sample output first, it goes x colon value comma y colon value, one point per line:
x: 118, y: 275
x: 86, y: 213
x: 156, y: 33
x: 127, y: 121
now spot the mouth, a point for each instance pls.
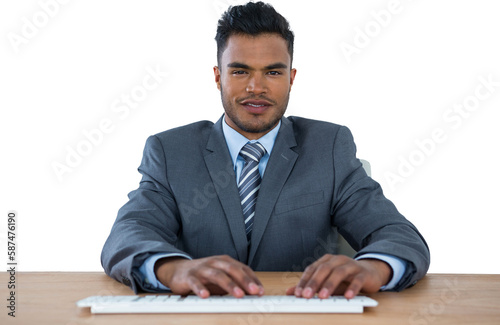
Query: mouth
x: 255, y: 106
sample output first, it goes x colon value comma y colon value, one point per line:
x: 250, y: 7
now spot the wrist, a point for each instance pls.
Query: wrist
x: 164, y: 268
x: 382, y: 269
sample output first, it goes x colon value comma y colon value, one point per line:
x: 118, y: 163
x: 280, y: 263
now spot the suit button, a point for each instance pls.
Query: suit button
x: 126, y: 281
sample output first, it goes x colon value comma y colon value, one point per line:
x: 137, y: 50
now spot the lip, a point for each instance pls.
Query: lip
x: 255, y: 106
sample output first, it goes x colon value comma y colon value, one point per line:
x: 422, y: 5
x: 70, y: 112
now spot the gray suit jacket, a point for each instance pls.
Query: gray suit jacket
x: 187, y: 202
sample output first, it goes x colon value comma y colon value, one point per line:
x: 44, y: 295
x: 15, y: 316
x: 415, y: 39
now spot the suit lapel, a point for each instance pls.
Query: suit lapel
x: 278, y: 169
x: 221, y: 169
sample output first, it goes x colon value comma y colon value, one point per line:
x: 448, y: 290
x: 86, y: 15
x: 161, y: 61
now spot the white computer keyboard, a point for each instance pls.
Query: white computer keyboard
x: 224, y: 304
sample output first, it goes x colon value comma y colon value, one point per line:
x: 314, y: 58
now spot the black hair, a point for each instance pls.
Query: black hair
x: 253, y: 18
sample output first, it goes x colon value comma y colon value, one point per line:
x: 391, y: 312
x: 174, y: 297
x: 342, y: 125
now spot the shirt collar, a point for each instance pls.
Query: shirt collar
x: 235, y: 141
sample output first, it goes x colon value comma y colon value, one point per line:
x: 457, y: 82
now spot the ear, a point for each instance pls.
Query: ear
x: 217, y: 76
x: 293, y: 72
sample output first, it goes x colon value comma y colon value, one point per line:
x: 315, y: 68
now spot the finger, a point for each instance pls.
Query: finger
x: 241, y: 274
x: 221, y: 279
x: 323, y: 269
x: 308, y: 273
x: 356, y: 285
x: 340, y: 274
x: 316, y: 281
x: 251, y: 282
x: 311, y: 269
x: 197, y: 287
x: 290, y: 291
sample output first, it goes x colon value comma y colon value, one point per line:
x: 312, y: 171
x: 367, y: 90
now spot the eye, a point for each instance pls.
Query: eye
x: 238, y: 72
x: 274, y: 73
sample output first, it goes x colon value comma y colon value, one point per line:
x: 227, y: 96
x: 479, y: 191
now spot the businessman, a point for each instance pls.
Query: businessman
x: 257, y: 191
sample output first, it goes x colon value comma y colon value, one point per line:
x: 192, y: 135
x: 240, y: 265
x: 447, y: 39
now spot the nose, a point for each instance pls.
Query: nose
x: 256, y: 85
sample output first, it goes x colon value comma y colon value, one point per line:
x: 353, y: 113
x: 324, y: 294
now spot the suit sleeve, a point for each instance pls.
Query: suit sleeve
x: 147, y: 224
x: 368, y: 220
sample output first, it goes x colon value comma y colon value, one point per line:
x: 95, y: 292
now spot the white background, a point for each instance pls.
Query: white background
x: 65, y: 67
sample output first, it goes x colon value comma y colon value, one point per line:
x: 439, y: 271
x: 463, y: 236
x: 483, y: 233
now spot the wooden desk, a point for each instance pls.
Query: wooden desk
x: 49, y: 298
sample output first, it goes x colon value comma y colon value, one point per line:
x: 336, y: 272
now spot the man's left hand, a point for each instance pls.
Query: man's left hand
x: 339, y: 274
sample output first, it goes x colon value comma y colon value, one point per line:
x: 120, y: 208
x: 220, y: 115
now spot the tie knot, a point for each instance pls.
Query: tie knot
x: 252, y: 151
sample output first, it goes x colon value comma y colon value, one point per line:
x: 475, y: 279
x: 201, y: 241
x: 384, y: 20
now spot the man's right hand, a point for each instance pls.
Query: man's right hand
x: 210, y: 275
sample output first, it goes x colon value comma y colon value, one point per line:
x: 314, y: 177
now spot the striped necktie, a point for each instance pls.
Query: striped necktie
x: 249, y: 183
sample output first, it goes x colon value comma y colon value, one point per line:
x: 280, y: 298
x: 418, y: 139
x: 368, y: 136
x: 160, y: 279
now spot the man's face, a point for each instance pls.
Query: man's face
x: 255, y: 79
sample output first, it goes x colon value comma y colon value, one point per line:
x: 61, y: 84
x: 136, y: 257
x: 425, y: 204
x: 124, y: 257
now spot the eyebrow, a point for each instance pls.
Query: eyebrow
x: 277, y: 65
